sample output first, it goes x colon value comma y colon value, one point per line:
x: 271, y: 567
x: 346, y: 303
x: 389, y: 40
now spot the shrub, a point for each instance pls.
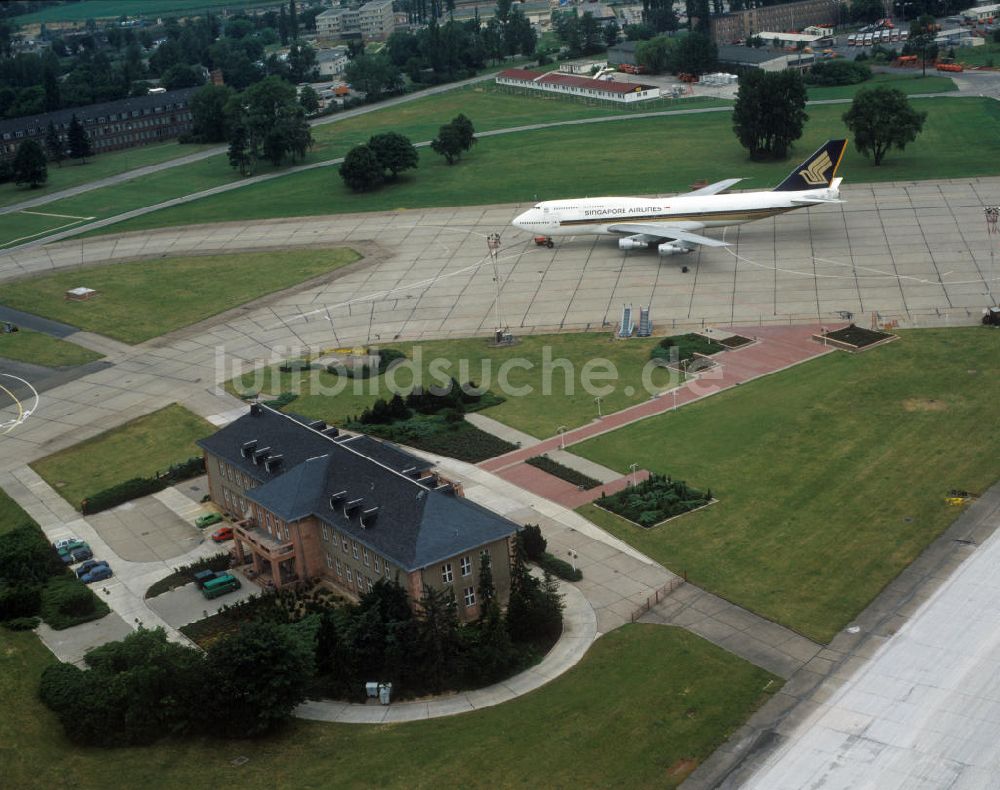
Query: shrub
x: 292, y: 365
x: 185, y: 573
x: 838, y: 72
x: 22, y: 624
x: 19, y: 601
x: 66, y: 601
x: 560, y: 568
x: 281, y: 401
x: 655, y: 500
x: 563, y: 472
x: 26, y: 558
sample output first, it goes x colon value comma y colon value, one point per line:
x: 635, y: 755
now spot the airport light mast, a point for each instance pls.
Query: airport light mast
x: 500, y: 334
x: 992, y: 215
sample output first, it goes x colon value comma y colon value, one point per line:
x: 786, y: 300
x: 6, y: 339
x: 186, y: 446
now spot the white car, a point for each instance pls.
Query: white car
x: 61, y: 544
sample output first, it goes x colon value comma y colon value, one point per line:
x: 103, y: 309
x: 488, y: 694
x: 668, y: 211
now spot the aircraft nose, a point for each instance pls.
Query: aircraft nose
x: 521, y: 220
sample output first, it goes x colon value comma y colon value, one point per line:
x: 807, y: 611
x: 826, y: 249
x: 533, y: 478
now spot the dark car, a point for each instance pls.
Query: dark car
x: 88, y: 566
x: 97, y: 574
x: 79, y: 555
x: 72, y: 546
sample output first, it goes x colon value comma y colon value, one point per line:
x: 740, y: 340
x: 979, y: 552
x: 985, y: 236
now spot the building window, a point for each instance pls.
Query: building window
x: 340, y: 569
x: 446, y: 574
x: 370, y: 585
x: 287, y: 536
x: 466, y: 566
x: 354, y: 547
x: 329, y: 560
x: 345, y: 546
x: 326, y: 534
x: 388, y: 573
x: 350, y: 575
x: 469, y: 597
x: 367, y: 559
x: 378, y: 564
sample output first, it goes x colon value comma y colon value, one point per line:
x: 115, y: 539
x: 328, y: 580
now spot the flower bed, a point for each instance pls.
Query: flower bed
x: 563, y: 472
x: 858, y: 337
x: 655, y: 500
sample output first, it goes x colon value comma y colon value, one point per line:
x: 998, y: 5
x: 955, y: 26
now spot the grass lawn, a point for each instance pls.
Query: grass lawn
x: 986, y: 55
x: 664, y: 698
x: 419, y: 120
x: 39, y: 349
x: 23, y: 226
x: 907, y: 83
x: 960, y: 139
x: 73, y: 173
x: 148, y: 298
x: 534, y: 412
x: 831, y: 476
x: 112, y: 9
x: 139, y: 448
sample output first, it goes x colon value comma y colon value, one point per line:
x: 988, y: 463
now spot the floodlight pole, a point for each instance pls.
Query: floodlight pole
x: 633, y: 467
x: 561, y: 430
x: 597, y: 400
x: 493, y: 242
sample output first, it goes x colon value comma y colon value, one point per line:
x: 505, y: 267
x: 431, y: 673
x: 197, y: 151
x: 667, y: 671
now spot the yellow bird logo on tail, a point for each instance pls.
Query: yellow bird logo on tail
x: 815, y: 172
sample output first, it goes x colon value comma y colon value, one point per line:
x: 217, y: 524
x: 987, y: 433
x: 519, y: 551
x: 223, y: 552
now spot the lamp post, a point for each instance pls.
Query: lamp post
x: 597, y: 400
x: 573, y: 557
x: 561, y: 430
x: 633, y: 467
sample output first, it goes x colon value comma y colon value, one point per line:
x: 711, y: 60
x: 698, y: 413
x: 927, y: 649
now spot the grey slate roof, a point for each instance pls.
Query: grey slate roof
x: 89, y: 112
x: 415, y: 525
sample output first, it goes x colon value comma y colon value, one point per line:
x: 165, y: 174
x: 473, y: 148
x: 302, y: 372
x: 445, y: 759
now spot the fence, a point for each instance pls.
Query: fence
x: 658, y: 596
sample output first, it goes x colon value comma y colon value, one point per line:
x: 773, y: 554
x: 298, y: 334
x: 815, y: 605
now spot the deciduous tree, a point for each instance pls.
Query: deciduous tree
x: 78, y: 140
x: 769, y: 113
x: 394, y: 152
x: 882, y: 118
x: 448, y: 143
x: 54, y: 146
x: 361, y: 169
x: 30, y: 165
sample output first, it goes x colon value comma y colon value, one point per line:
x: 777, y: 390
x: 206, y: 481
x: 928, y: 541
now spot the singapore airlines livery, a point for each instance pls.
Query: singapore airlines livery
x: 672, y: 223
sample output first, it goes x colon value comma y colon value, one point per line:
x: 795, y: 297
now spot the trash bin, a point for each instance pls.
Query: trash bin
x: 385, y: 693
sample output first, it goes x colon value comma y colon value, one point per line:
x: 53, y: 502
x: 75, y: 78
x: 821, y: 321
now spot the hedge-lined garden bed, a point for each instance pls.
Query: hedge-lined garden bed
x: 857, y: 336
x: 142, y: 486
x: 654, y: 500
x: 563, y: 472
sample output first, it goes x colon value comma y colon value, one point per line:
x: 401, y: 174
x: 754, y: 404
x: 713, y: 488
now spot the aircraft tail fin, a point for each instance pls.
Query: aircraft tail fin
x: 818, y: 171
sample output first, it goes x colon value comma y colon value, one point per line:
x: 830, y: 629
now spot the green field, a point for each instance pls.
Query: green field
x: 11, y: 514
x: 419, y: 119
x: 664, y: 698
x: 23, y: 226
x: 907, y: 83
x: 535, y: 412
x: 143, y: 299
x: 139, y: 448
x: 831, y: 477
x: 960, y: 139
x: 39, y: 349
x: 73, y: 173
x: 986, y: 55
x: 150, y: 9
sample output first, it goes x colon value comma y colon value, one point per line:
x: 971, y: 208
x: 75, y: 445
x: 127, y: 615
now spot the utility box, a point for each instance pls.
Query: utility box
x: 371, y: 689
x: 385, y: 693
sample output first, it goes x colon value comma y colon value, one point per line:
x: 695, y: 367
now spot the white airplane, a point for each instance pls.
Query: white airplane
x: 672, y: 223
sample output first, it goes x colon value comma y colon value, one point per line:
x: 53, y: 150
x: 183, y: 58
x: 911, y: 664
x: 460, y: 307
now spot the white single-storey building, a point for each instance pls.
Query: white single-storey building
x: 582, y: 87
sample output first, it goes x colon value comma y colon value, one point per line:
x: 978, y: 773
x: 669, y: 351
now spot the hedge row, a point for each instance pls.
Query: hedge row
x: 185, y: 574
x: 563, y: 472
x: 560, y: 568
x: 142, y: 486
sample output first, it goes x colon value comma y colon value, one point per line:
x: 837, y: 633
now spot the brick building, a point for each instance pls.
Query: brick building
x: 740, y: 25
x: 114, y: 125
x: 346, y: 509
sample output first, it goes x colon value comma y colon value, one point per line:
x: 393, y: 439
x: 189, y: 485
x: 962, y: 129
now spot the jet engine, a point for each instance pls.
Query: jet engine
x: 672, y: 248
x: 632, y: 244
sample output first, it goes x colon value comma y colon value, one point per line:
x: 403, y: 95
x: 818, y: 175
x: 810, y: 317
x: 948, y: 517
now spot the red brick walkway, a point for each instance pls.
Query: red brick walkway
x: 777, y: 348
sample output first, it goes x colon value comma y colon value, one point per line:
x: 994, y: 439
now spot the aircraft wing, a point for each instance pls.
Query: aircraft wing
x: 814, y: 201
x: 664, y: 231
x: 714, y: 189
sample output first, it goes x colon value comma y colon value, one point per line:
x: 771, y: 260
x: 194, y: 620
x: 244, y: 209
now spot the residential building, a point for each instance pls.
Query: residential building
x: 125, y: 123
x: 315, y: 504
x: 981, y: 13
x: 375, y: 21
x: 580, y: 87
x: 740, y: 25
x: 331, y: 62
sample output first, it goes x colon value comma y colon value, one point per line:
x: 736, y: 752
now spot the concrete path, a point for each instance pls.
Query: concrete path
x: 71, y: 644
x: 750, y: 636
x: 497, y: 428
x: 579, y: 632
x: 904, y: 698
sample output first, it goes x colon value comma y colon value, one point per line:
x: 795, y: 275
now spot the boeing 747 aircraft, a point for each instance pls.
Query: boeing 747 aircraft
x: 672, y: 223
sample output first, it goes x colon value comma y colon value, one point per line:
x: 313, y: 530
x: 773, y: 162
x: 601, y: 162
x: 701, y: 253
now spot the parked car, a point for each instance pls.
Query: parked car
x: 88, y: 566
x: 79, y: 555
x: 69, y: 548
x: 207, y: 520
x: 222, y: 534
x: 97, y: 574
x: 61, y: 544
